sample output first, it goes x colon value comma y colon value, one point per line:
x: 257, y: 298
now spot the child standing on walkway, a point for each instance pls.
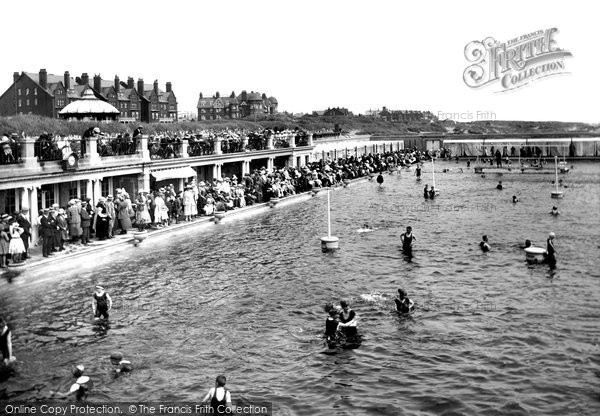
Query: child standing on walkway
x: 16, y: 247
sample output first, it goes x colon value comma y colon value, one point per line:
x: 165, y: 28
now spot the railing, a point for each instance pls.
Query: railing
x: 325, y: 135
x: 301, y: 140
x: 256, y: 142
x: 232, y: 146
x: 201, y: 148
x: 116, y: 147
x: 281, y: 142
x: 50, y: 150
x: 164, y: 150
x: 11, y: 153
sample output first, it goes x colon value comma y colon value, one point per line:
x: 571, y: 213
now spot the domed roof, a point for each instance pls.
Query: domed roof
x: 273, y: 100
x: 89, y: 104
x: 254, y: 96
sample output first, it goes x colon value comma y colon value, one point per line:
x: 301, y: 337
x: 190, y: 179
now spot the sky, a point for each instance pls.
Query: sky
x: 312, y: 55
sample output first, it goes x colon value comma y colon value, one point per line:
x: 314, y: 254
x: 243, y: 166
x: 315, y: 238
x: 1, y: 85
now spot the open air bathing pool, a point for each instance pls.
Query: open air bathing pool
x: 490, y: 334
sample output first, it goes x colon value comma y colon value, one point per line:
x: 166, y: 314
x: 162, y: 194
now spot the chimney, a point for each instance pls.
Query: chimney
x: 168, y: 87
x: 201, y: 95
x: 140, y: 86
x: 97, y: 83
x: 16, y: 76
x: 218, y: 95
x: 43, y: 78
x: 244, y: 95
x: 85, y: 79
x: 156, y: 86
x: 117, y: 84
x: 130, y: 82
x: 67, y: 80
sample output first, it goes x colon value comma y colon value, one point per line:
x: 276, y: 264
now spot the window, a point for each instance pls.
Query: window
x: 27, y: 102
x: 19, y: 103
x: 73, y: 189
x: 35, y: 91
x: 35, y: 101
x: 10, y: 201
x: 27, y: 91
x: 19, y: 91
x: 105, y: 185
x: 83, y: 185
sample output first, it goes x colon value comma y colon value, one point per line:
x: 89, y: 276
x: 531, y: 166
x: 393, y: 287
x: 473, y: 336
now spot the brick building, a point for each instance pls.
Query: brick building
x: 46, y: 94
x: 243, y: 105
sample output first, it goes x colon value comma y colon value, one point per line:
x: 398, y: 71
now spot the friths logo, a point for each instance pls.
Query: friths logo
x: 515, y: 63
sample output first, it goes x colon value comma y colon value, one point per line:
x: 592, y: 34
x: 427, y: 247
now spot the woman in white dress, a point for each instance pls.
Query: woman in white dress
x: 161, y: 214
x: 142, y: 216
x: 16, y: 247
x: 188, y: 203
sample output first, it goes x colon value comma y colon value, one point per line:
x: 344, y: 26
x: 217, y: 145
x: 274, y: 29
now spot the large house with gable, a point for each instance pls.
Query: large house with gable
x: 46, y: 94
x: 232, y: 107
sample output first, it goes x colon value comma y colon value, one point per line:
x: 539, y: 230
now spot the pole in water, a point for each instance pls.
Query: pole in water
x: 329, y: 213
x: 556, y: 194
x: 329, y: 243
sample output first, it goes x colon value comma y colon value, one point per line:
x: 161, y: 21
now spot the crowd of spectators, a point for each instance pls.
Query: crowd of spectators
x: 161, y: 146
x: 81, y: 220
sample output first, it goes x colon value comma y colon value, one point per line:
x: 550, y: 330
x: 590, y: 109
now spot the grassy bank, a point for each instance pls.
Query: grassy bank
x: 31, y: 125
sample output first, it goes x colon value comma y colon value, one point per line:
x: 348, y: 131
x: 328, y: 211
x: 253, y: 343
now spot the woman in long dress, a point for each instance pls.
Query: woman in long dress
x: 125, y: 212
x: 188, y: 203
x: 161, y: 213
x: 142, y: 215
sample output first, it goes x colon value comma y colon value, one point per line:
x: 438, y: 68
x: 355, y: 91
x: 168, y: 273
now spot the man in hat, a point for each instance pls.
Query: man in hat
x: 48, y: 226
x: 86, y: 221
x: 63, y: 227
x: 56, y: 230
x: 25, y: 224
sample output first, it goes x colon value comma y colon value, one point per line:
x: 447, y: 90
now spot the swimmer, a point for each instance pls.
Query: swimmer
x: 403, y: 303
x: 123, y: 366
x: 407, y: 239
x: 550, y: 250
x: 499, y: 186
x: 555, y: 211
x: 220, y: 397
x: 366, y: 228
x: 426, y: 192
x: 6, y: 342
x: 82, y: 386
x: 101, y: 303
x: 418, y: 172
x: 348, y: 320
x: 485, y: 246
x: 331, y: 327
x: 432, y: 192
x: 515, y: 199
x: 380, y: 179
x: 527, y: 244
